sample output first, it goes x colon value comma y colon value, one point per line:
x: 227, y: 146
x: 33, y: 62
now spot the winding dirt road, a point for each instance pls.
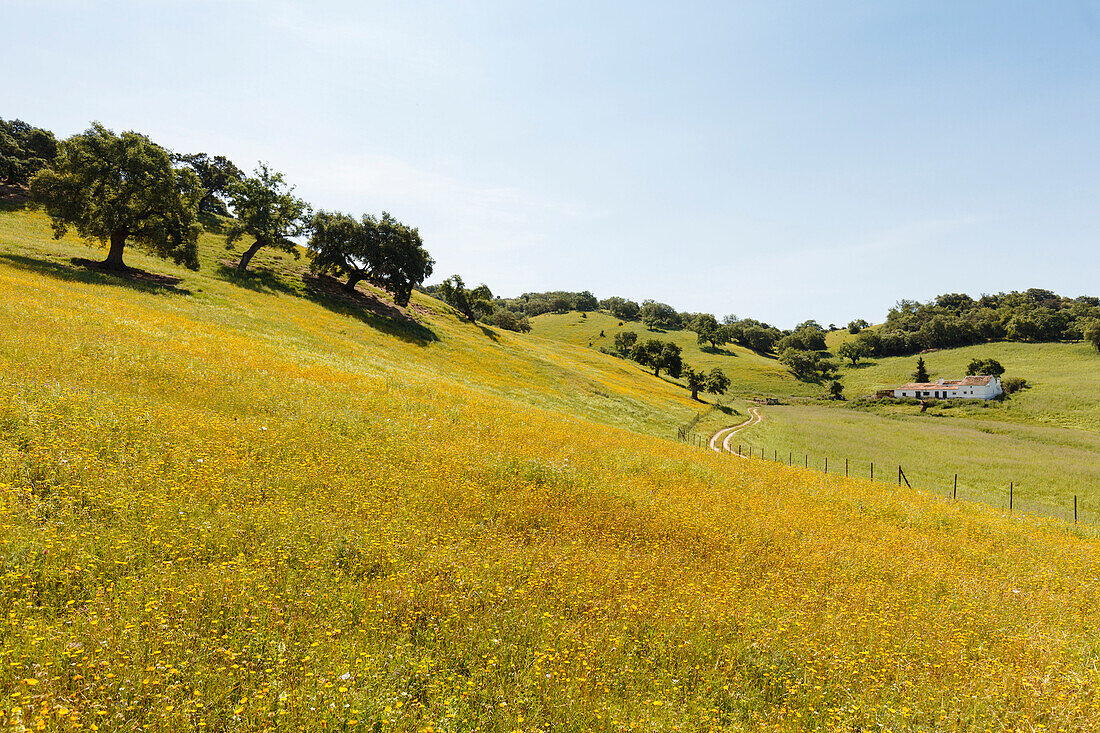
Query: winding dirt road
x: 725, y: 434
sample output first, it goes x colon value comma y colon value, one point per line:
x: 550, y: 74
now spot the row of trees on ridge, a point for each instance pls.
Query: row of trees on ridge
x: 124, y: 189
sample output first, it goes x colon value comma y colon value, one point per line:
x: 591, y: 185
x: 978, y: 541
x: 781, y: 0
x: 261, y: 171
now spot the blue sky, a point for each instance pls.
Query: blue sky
x: 776, y: 160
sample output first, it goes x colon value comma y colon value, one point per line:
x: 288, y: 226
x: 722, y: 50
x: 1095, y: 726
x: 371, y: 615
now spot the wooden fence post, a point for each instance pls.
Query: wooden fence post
x: 806, y: 461
x: 826, y: 464
x: 845, y: 468
x: 790, y: 458
x: 1075, y: 508
x: 872, y: 470
x: 899, y: 475
x: 1009, y: 497
x: 955, y: 491
x: 738, y: 449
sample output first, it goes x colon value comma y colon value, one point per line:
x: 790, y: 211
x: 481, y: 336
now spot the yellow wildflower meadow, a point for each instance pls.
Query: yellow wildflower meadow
x: 238, y: 510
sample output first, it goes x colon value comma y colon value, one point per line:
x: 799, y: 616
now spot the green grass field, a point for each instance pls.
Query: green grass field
x: 752, y: 374
x: 1048, y: 465
x: 1064, y: 379
x: 1045, y: 439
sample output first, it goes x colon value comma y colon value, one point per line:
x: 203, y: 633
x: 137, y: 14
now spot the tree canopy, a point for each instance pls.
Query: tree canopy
x: 1092, y: 333
x: 985, y: 368
x: 509, y: 320
x: 659, y: 356
x: 836, y: 390
x: 119, y: 189
x: 708, y: 330
x: 853, y: 351
x: 752, y: 334
x: 808, y: 366
x: 24, y: 150
x: 265, y: 209
x: 660, y: 316
x: 216, y: 174
x: 624, y: 341
x: 468, y: 301
x: 956, y: 319
x: 716, y: 382
x: 382, y: 251
x: 621, y: 308
x: 804, y: 338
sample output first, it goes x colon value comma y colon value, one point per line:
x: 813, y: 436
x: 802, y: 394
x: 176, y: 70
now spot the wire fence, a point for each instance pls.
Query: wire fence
x: 1006, y: 498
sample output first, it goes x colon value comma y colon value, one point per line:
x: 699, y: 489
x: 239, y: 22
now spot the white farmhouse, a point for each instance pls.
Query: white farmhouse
x: 970, y: 388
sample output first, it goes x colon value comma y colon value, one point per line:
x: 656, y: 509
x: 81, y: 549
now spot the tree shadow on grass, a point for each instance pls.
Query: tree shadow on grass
x: 860, y: 365
x: 13, y: 198
x: 211, y: 222
x: 95, y: 273
x: 489, y: 332
x: 379, y: 314
x: 258, y: 280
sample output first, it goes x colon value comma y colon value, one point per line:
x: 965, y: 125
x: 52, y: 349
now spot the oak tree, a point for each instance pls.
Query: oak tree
x: 119, y: 189
x: 658, y: 355
x: 468, y: 301
x: 382, y: 251
x: 265, y: 209
x: 216, y: 174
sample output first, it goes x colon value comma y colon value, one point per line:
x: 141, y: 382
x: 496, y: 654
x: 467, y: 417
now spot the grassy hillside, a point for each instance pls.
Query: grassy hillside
x: 331, y: 328
x: 1064, y: 378
x: 752, y: 374
x: 240, y: 509
x: 1048, y: 447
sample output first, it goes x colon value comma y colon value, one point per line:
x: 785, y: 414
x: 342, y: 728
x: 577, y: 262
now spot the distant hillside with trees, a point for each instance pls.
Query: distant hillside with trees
x: 956, y: 319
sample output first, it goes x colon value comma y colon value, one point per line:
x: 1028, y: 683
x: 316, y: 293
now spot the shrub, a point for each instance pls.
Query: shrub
x: 509, y: 321
x: 1013, y: 384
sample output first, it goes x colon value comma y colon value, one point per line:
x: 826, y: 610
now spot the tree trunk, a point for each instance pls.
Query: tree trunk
x: 353, y: 280
x: 695, y: 393
x: 248, y: 255
x: 114, y: 254
x: 657, y: 371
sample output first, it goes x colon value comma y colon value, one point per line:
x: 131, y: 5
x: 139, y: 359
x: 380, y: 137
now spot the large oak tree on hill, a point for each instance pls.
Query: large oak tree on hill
x: 265, y: 209
x: 382, y: 251
x: 716, y: 382
x: 659, y: 355
x: 119, y: 189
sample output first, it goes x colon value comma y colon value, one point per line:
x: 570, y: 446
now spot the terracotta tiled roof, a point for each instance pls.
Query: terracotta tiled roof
x: 976, y: 381
x: 925, y: 385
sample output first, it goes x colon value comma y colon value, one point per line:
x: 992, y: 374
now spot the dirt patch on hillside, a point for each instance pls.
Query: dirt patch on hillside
x: 370, y: 298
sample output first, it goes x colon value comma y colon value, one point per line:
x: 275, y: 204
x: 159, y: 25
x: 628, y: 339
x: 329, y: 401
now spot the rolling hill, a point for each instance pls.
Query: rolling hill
x: 245, y: 503
x: 752, y: 374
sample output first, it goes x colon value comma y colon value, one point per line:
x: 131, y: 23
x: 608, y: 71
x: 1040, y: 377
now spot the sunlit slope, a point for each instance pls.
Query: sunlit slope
x: 751, y: 373
x: 1064, y: 378
x: 219, y: 512
x: 324, y: 333
x: 1047, y: 465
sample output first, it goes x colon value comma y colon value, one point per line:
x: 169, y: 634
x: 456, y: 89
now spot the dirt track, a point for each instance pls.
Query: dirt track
x: 726, y: 433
